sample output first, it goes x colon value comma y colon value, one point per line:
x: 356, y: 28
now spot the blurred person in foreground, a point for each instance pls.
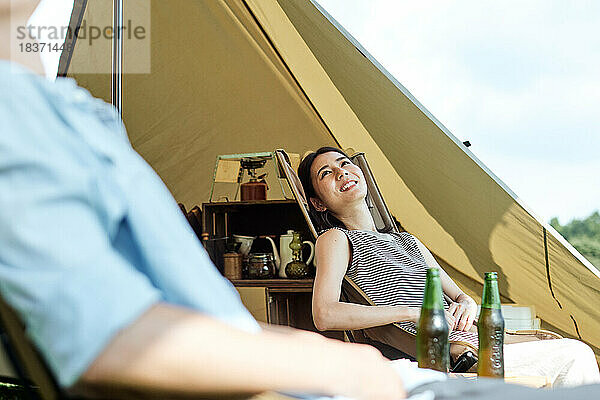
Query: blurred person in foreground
x: 113, y: 286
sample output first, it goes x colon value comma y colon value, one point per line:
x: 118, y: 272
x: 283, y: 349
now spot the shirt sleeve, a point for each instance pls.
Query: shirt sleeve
x: 58, y: 270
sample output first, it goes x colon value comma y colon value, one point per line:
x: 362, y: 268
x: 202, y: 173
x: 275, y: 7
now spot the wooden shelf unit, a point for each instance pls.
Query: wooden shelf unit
x: 249, y: 218
x: 275, y: 301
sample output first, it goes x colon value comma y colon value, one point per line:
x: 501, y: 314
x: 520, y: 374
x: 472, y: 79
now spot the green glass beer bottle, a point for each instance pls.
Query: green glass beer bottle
x: 433, y: 348
x: 490, y: 329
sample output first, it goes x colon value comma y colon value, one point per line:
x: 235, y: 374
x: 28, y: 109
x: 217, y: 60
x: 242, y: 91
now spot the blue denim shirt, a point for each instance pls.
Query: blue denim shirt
x: 90, y: 237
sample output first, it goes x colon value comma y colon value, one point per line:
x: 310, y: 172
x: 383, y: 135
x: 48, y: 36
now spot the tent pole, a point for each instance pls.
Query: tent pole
x: 71, y: 38
x: 116, y: 83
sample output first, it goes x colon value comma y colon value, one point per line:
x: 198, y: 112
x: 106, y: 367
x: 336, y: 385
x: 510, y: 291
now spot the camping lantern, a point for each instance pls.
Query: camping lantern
x: 256, y: 188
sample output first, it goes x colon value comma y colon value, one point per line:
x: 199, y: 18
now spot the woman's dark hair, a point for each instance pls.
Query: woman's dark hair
x: 323, y: 220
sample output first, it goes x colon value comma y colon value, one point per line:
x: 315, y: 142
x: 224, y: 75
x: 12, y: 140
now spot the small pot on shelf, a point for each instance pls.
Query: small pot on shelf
x: 261, y: 266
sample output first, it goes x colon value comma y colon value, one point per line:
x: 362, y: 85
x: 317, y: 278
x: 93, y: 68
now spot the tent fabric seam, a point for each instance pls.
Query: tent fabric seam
x: 550, y: 283
x: 548, y: 269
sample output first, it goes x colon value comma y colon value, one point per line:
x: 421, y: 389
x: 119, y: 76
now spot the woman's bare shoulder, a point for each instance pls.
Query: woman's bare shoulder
x: 332, y: 237
x: 332, y: 251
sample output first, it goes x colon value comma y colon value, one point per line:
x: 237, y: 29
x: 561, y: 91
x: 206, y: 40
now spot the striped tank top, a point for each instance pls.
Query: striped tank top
x: 391, y: 270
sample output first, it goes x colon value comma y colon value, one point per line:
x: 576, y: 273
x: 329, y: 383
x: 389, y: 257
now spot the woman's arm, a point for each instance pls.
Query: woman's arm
x: 174, y: 350
x: 332, y: 257
x: 463, y: 308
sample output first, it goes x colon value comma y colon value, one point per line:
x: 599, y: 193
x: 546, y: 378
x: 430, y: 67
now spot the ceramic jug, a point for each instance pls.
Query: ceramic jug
x: 284, y: 255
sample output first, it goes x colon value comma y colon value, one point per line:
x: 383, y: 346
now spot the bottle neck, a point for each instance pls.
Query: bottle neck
x: 491, y: 296
x: 432, y: 299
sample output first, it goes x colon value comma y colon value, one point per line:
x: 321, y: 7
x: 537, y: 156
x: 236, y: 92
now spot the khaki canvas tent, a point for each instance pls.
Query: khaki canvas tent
x: 238, y: 76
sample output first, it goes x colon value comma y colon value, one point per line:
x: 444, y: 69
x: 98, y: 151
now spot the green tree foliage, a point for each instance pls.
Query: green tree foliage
x: 584, y: 235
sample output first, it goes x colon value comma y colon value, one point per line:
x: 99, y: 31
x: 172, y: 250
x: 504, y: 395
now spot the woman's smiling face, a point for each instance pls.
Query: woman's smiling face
x: 337, y: 182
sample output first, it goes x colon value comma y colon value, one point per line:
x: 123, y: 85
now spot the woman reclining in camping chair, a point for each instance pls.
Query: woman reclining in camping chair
x: 391, y: 268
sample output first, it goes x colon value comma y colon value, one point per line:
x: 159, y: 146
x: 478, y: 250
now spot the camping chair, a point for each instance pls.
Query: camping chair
x: 29, y: 366
x: 392, y: 334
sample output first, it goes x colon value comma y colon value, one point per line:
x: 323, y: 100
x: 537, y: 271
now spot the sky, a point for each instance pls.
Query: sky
x: 519, y: 79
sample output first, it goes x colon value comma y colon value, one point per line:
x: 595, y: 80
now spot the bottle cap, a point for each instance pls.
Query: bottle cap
x: 433, y: 272
x: 491, y: 275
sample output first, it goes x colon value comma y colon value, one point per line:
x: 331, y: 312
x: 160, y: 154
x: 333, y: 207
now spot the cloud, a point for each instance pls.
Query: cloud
x: 520, y: 80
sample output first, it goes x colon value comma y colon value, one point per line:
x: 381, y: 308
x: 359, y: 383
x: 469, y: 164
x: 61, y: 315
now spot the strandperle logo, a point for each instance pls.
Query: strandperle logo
x: 81, y: 39
x: 89, y: 33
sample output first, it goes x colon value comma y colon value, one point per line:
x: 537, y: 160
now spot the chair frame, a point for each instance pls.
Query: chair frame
x: 391, y: 334
x: 31, y: 369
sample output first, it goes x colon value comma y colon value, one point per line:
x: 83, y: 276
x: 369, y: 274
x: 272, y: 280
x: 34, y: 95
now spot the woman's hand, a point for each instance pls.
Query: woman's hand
x: 464, y: 311
x: 415, y: 314
x: 451, y: 320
